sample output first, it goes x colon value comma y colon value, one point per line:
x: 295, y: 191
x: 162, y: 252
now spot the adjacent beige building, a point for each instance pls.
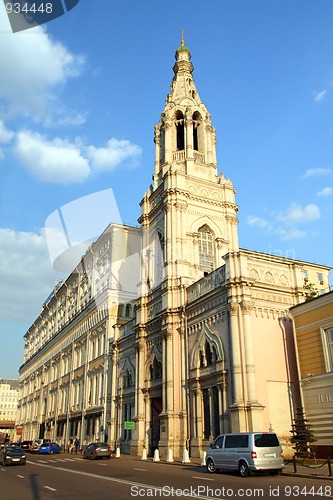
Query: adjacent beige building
x: 9, y: 394
x: 313, y: 325
x: 192, y: 337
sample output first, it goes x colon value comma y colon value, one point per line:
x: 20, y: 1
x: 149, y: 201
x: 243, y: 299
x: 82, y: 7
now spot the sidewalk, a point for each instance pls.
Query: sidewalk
x: 322, y: 471
x: 302, y: 470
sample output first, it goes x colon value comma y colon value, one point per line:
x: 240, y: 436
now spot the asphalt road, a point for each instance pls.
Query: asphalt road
x: 71, y: 477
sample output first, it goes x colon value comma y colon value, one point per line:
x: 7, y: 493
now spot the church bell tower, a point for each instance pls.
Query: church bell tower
x: 188, y: 223
x: 189, y: 209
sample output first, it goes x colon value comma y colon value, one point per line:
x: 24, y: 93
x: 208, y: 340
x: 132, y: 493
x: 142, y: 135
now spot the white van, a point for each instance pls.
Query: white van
x: 246, y: 452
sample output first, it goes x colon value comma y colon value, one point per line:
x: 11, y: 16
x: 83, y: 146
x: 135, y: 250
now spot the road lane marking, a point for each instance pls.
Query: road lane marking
x: 49, y: 488
x: 203, y: 478
x: 143, y: 470
x: 21, y: 477
x: 117, y: 480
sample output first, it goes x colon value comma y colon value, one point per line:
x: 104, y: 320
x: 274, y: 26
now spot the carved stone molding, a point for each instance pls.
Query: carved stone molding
x: 246, y: 306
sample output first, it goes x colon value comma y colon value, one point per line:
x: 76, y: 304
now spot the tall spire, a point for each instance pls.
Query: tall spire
x: 184, y: 136
x: 183, y: 41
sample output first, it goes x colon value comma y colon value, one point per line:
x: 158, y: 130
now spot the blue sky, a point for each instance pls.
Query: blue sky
x: 79, y: 98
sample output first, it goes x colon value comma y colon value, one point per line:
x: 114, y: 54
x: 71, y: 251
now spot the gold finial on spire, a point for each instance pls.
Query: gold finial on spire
x: 183, y: 41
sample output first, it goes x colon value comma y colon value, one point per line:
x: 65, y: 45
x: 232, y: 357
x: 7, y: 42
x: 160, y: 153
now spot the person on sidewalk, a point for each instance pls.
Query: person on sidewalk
x: 77, y: 445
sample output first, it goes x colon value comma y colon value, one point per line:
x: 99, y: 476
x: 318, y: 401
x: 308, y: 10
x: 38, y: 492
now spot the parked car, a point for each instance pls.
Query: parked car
x: 25, y: 445
x: 97, y: 450
x: 34, y: 447
x: 11, y: 455
x: 49, y: 448
x: 247, y: 452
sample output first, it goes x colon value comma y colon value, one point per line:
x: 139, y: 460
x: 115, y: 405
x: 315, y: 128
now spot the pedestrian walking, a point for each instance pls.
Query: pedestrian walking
x: 77, y: 445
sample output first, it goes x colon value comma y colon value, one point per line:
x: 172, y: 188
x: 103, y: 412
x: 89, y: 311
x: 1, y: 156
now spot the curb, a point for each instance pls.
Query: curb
x: 197, y: 464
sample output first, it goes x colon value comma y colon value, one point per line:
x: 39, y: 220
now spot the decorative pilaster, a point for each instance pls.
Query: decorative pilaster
x: 246, y: 307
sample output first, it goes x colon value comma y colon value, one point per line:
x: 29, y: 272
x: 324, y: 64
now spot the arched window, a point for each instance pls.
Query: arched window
x: 208, y: 353
x: 156, y: 370
x: 197, y: 140
x: 128, y: 379
x: 206, y: 253
x: 159, y: 259
x: 180, y: 137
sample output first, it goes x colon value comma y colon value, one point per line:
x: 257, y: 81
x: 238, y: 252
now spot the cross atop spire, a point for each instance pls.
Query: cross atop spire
x: 183, y: 41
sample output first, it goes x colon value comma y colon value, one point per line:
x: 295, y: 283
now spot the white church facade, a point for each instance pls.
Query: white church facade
x: 166, y: 335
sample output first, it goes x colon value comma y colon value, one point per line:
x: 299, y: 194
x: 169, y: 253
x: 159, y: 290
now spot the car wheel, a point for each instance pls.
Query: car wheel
x: 211, y: 466
x: 244, y: 469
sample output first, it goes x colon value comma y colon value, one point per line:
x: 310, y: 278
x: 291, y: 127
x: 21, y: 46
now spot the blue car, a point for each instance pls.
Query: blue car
x: 49, y: 448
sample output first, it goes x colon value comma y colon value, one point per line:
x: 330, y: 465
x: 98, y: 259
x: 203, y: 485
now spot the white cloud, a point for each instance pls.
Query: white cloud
x: 327, y: 191
x: 285, y: 223
x: 26, y: 274
x: 316, y: 172
x: 33, y: 67
x: 63, y: 162
x: 319, y: 96
x: 55, y: 161
x: 115, y: 152
x: 252, y: 220
x: 296, y: 214
x: 291, y: 234
x: 6, y: 135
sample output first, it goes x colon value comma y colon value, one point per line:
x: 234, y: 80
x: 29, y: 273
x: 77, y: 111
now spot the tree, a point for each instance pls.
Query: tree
x: 310, y: 291
x: 302, y: 434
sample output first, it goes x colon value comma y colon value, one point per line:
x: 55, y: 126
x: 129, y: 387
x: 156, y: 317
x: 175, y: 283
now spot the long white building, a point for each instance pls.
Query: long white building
x: 170, y: 326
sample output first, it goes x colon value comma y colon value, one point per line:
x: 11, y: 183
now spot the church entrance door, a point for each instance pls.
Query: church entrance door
x: 156, y: 408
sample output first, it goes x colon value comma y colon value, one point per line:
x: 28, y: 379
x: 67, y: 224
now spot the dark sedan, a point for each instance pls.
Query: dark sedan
x: 97, y: 450
x: 49, y: 448
x: 11, y: 455
x: 25, y: 445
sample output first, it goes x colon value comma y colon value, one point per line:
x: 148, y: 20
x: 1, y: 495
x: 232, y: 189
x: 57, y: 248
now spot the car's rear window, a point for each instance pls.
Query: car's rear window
x: 266, y: 440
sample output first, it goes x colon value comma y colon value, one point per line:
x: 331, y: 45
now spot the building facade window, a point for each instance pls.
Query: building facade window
x: 327, y: 337
x: 206, y: 254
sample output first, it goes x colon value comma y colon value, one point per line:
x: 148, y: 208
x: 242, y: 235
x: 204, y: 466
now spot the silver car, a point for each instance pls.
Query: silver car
x: 246, y: 452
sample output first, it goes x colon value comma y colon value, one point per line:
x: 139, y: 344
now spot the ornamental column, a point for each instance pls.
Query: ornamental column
x: 168, y: 141
x: 138, y: 435
x: 249, y: 354
x: 236, y: 354
x: 189, y: 134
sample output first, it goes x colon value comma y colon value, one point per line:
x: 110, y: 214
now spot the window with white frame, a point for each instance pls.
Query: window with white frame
x: 327, y: 336
x: 206, y: 256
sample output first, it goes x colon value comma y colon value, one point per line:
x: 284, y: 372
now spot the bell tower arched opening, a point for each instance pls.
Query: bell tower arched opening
x: 180, y: 131
x: 197, y: 132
